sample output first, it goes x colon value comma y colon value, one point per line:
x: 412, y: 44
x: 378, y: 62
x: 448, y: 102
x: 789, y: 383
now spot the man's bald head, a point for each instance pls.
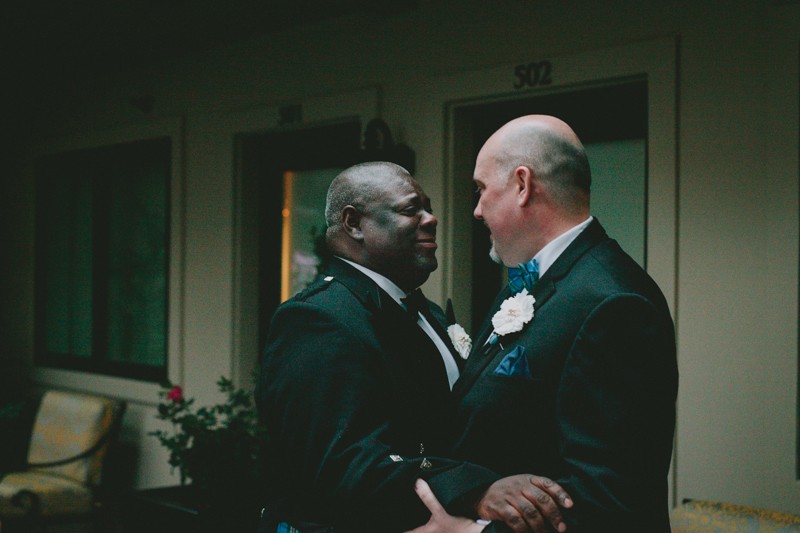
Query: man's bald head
x: 552, y: 150
x: 533, y: 178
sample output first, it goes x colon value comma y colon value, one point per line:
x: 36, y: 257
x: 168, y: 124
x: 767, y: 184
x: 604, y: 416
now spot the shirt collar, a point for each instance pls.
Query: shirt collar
x: 548, y: 255
x: 383, y: 282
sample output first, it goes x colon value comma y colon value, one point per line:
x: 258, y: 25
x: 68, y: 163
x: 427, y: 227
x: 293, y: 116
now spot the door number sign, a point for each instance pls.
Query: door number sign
x: 533, y: 74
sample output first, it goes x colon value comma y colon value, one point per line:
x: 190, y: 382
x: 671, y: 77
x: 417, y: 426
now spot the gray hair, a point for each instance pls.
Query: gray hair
x: 358, y: 186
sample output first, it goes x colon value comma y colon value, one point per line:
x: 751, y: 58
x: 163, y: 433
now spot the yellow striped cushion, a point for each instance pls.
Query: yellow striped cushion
x: 697, y: 516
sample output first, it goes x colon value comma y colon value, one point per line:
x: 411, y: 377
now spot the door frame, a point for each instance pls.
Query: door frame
x: 362, y: 104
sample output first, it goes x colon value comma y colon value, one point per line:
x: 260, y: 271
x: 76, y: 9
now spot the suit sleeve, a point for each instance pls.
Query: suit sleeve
x: 324, y: 391
x: 615, y: 412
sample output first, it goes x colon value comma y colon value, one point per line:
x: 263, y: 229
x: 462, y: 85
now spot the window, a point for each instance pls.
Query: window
x: 102, y: 241
x: 304, y: 195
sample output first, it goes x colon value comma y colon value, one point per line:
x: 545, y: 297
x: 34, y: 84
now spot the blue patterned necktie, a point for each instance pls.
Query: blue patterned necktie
x: 524, y: 276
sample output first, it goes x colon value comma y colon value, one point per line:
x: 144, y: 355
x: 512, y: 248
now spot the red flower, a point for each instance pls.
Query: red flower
x: 175, y: 394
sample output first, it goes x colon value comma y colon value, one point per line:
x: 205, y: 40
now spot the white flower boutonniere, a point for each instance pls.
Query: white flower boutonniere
x: 460, y: 339
x: 514, y: 313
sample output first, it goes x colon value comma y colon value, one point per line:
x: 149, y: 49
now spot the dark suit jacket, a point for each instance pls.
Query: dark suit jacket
x: 597, y: 411
x: 348, y: 380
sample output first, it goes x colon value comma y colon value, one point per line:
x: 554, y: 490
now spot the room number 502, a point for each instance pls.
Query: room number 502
x: 533, y: 74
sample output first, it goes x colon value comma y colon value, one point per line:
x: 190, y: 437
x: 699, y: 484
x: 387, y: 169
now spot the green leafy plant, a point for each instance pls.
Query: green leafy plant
x: 216, y: 447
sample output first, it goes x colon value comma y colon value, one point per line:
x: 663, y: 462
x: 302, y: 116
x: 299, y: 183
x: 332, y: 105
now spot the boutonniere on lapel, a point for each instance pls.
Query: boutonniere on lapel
x: 458, y: 335
x: 512, y: 316
x: 460, y: 339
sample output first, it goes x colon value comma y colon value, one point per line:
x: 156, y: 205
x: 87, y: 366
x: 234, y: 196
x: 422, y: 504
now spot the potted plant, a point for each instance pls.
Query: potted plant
x: 217, y: 447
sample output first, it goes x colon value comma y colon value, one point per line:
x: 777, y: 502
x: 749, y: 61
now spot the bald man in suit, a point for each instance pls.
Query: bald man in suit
x: 573, y: 374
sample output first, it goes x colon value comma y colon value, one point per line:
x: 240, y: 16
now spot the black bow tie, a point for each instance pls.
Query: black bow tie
x: 415, y: 302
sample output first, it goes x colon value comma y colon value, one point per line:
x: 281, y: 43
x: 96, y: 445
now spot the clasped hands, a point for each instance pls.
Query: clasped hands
x: 525, y: 503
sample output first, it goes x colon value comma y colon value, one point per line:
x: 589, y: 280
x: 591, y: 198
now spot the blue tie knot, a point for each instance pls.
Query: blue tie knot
x: 524, y: 276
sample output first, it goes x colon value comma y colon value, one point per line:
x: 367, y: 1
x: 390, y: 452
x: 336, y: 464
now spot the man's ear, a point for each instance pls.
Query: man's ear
x: 523, y: 179
x: 351, y: 222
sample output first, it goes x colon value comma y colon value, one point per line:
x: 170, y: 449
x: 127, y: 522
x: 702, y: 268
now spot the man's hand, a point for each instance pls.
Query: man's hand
x: 525, y: 503
x: 440, y: 521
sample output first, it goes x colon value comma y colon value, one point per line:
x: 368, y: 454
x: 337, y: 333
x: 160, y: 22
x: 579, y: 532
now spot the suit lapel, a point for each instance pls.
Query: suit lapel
x: 439, y: 324
x: 543, y: 290
x: 481, y: 355
x: 486, y: 326
x: 389, y: 312
x: 373, y: 297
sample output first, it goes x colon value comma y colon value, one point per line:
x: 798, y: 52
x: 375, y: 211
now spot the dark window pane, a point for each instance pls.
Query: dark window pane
x: 102, y: 259
x: 137, y: 259
x: 67, y: 263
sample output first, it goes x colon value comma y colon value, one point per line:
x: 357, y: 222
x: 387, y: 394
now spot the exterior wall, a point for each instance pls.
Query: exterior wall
x: 738, y: 273
x: 736, y: 280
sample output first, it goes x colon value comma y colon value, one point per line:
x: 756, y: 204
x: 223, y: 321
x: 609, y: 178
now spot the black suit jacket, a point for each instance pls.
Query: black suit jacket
x: 597, y: 412
x: 351, y: 389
